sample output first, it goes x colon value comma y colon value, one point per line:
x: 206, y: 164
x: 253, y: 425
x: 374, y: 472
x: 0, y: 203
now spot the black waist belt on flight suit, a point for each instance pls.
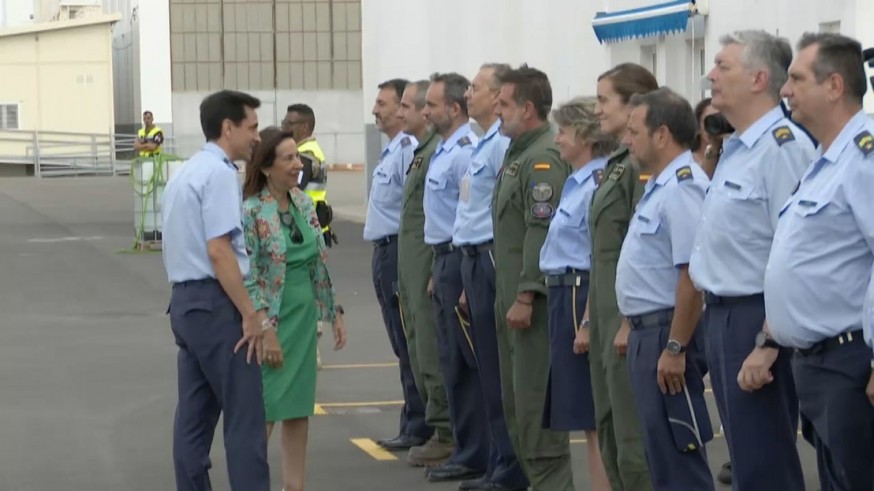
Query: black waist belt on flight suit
x: 832, y: 343
x: 473, y: 250
x: 574, y: 277
x: 444, y: 248
x: 653, y: 319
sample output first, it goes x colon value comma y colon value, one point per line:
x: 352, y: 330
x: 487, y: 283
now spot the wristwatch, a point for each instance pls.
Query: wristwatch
x: 765, y: 341
x: 674, y: 347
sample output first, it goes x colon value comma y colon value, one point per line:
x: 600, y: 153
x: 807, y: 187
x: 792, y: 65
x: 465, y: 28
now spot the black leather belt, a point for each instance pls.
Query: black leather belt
x: 444, y: 248
x: 203, y: 281
x: 473, y: 250
x: 832, y: 343
x: 388, y: 239
x: 652, y: 319
x: 567, y: 279
x: 712, y: 299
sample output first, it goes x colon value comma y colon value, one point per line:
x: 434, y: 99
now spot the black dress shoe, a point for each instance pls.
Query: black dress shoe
x: 492, y: 486
x: 472, y: 484
x: 400, y: 442
x: 724, y: 475
x: 452, y: 472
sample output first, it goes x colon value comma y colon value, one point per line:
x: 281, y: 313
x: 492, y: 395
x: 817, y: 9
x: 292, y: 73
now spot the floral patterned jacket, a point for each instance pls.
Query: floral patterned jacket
x: 266, y: 248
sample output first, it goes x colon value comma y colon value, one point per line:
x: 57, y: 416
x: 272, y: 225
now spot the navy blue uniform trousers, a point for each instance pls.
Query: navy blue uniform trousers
x: 478, y: 278
x: 836, y: 416
x: 458, y: 366
x: 760, y: 427
x: 212, y: 380
x: 385, y: 284
x: 669, y: 468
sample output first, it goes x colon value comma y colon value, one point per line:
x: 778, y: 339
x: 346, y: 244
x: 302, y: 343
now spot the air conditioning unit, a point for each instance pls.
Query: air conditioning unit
x: 78, y: 9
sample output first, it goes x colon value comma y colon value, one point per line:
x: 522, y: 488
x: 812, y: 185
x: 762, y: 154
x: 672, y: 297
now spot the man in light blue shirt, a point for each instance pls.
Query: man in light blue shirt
x: 381, y: 227
x: 819, y: 269
x: 446, y: 110
x: 205, y: 257
x: 472, y: 233
x: 759, y: 167
x: 657, y: 296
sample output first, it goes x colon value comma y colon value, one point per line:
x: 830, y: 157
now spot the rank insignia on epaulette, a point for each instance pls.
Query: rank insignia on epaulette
x: 417, y: 162
x: 782, y: 135
x: 405, y: 142
x: 616, y: 173
x: 684, y: 173
x: 598, y: 176
x: 542, y: 166
x: 542, y: 210
x: 541, y: 191
x: 464, y: 141
x: 865, y: 142
x: 513, y: 168
x: 644, y: 178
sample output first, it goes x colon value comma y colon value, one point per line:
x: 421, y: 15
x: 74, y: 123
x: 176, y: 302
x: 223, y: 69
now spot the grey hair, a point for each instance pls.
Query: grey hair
x: 579, y: 114
x: 763, y: 50
x: 454, y: 87
x: 421, y: 92
x: 499, y: 70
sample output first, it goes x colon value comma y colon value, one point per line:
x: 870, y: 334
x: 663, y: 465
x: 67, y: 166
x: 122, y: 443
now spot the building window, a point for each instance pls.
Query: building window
x: 830, y: 27
x: 9, y: 117
x: 649, y: 59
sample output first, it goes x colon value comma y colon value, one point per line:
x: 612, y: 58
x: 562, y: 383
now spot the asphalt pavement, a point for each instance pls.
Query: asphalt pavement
x: 87, y: 360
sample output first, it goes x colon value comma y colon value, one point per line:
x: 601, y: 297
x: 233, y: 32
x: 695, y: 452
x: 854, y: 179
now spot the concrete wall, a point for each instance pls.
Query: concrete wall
x: 339, y: 127
x: 63, y: 78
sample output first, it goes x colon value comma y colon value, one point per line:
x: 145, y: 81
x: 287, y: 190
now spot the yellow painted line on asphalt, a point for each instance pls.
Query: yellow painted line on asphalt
x: 371, y: 448
x: 359, y: 365
x: 319, y: 410
x: 361, y: 404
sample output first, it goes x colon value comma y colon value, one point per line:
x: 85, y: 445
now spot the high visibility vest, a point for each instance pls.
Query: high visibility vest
x: 317, y: 187
x: 155, y: 135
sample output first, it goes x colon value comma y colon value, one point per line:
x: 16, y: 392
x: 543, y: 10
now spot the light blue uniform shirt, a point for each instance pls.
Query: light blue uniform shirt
x: 660, y: 238
x: 443, y: 183
x: 568, y: 244
x: 756, y: 173
x: 387, y: 188
x: 203, y: 201
x: 868, y: 313
x: 473, y: 222
x: 820, y: 265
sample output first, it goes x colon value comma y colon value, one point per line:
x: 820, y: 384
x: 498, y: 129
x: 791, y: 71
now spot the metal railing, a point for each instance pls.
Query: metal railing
x: 56, y: 153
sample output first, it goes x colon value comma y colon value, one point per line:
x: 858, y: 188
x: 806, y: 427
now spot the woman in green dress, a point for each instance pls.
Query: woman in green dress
x: 289, y: 279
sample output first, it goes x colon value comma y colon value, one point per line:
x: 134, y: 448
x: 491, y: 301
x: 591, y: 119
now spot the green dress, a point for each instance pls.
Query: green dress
x: 290, y: 391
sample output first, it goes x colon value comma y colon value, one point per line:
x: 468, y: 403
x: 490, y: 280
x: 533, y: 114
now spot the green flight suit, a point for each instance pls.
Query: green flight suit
x: 414, y: 271
x: 619, y: 432
x: 525, y: 199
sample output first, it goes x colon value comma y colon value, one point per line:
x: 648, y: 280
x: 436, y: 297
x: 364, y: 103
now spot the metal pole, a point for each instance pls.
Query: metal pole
x: 112, y: 153
x: 37, y: 168
x: 94, y: 162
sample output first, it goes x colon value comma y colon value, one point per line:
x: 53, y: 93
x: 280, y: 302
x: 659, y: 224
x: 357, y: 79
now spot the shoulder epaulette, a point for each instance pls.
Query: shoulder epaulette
x: 684, y: 173
x: 782, y: 135
x: 865, y: 142
x: 464, y: 141
x: 405, y: 141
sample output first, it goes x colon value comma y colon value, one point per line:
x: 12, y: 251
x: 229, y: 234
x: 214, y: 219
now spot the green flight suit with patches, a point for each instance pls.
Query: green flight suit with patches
x: 525, y: 199
x: 619, y: 431
x: 417, y: 312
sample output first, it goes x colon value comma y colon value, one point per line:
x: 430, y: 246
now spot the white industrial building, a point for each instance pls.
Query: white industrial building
x: 331, y: 54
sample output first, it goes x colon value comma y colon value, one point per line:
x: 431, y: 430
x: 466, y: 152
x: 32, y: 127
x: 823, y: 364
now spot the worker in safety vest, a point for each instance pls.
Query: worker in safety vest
x: 149, y: 137
x: 300, y: 121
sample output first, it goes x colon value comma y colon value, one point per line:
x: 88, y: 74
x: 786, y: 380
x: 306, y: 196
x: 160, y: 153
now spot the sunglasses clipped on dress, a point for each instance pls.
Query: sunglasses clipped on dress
x: 288, y: 220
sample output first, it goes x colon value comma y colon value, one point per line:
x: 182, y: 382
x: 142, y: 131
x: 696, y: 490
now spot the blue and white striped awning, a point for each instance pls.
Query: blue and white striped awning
x: 653, y: 20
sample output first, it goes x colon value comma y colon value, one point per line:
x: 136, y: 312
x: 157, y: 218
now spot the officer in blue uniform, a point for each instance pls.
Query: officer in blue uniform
x: 819, y: 269
x: 216, y: 327
x: 472, y: 233
x: 446, y: 110
x: 565, y: 260
x: 760, y: 165
x: 381, y: 228
x: 665, y: 357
